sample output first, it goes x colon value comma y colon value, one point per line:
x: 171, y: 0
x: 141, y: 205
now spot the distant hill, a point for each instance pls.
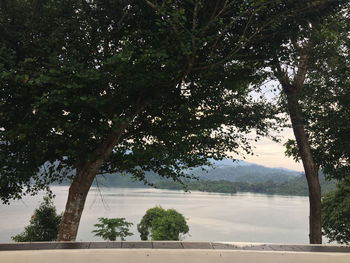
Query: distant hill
x: 227, y: 177
x: 241, y: 171
x: 223, y: 170
x: 297, y: 186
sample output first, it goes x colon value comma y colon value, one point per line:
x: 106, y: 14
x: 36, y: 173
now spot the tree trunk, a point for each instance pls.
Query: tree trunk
x: 85, y: 175
x: 76, y: 200
x: 292, y: 89
x: 86, y: 172
x: 310, y: 168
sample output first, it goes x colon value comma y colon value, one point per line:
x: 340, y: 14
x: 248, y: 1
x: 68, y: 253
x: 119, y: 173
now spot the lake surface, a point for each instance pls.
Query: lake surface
x: 245, y: 217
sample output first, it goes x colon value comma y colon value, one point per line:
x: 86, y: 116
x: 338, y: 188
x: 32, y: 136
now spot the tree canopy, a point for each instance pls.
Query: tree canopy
x: 82, y: 81
x: 328, y: 88
x: 77, y: 74
x: 294, y: 64
x: 100, y: 86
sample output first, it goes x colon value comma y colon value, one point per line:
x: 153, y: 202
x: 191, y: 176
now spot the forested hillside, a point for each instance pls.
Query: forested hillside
x: 296, y: 186
x: 227, y: 177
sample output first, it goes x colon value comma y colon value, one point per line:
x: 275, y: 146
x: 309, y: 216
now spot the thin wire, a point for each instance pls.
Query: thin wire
x: 105, y: 204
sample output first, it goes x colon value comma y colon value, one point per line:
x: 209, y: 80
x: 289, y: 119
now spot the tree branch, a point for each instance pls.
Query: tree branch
x: 299, y: 78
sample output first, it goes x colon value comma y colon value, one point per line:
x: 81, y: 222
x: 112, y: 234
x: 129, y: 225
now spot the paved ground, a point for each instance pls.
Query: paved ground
x: 173, y: 245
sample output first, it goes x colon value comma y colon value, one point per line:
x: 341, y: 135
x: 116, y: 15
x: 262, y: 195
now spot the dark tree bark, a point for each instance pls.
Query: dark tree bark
x: 75, y: 203
x: 310, y: 168
x: 85, y: 175
x: 292, y: 89
x: 86, y: 172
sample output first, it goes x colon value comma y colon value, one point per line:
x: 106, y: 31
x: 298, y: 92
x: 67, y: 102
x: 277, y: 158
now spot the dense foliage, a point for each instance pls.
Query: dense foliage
x: 44, y: 224
x: 294, y: 65
x: 297, y: 186
x: 336, y: 214
x: 74, y: 74
x: 326, y: 97
x: 161, y: 224
x: 112, y: 228
x: 124, y: 86
x: 89, y: 87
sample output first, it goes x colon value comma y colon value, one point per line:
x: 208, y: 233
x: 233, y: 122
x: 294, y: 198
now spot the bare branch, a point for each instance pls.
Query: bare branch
x: 299, y: 78
x: 151, y: 4
x: 281, y: 74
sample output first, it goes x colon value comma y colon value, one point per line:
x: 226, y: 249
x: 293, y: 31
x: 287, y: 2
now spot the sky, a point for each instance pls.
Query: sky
x: 271, y: 154
x: 267, y: 152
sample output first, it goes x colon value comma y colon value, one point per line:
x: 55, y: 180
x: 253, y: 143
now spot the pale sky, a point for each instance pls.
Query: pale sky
x: 267, y: 152
x: 271, y: 154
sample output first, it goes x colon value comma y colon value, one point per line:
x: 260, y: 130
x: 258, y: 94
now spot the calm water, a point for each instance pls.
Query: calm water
x: 211, y: 217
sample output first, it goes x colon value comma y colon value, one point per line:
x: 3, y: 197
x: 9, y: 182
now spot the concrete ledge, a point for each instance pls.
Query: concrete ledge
x: 173, y: 245
x: 169, y: 256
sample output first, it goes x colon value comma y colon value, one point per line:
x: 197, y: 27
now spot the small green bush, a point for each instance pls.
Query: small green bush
x: 112, y: 228
x: 43, y: 226
x: 161, y: 224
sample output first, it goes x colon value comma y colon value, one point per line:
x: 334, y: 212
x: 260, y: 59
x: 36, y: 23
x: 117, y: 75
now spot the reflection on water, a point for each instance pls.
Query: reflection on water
x: 211, y: 217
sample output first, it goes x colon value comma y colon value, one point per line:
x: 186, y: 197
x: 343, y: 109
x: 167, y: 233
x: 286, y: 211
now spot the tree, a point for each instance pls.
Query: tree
x: 291, y: 88
x: 309, y: 98
x: 336, y: 214
x: 328, y: 88
x: 161, y: 224
x: 44, y: 224
x: 329, y: 118
x: 91, y: 87
x: 112, y: 228
x: 144, y: 226
x: 328, y: 127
